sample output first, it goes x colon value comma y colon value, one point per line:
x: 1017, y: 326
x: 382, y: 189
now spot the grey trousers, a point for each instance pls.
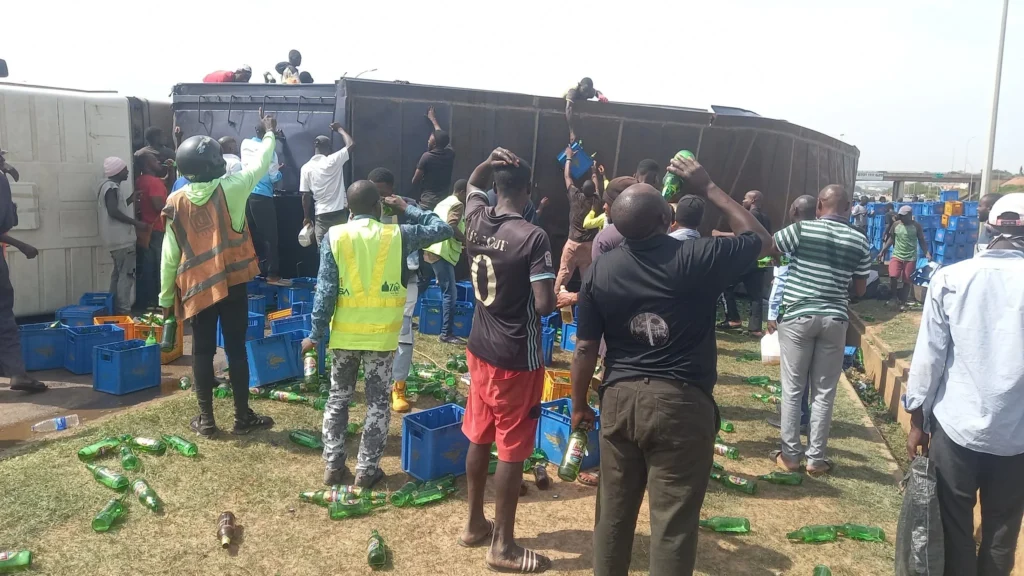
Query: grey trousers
x: 812, y: 355
x: 122, y: 279
x: 406, y: 338
x: 323, y: 222
x: 12, y: 363
x: 344, y: 372
x: 961, y: 473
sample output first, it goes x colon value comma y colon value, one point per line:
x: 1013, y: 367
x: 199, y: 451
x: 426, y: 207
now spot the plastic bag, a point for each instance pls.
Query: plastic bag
x: 306, y: 236
x: 919, y: 539
x: 770, y: 351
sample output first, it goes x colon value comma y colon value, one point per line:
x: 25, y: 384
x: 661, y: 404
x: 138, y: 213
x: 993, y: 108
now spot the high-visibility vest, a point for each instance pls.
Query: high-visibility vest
x: 371, y: 297
x: 214, y: 256
x: 451, y: 248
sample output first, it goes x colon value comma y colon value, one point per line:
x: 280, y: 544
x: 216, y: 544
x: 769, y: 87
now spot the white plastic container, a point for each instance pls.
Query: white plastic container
x: 770, y: 351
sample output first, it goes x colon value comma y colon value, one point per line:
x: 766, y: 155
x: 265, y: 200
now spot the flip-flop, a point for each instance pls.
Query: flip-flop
x: 531, y: 563
x: 727, y: 326
x: 33, y: 386
x: 819, y: 472
x: 778, y: 460
x: 588, y: 479
x: 485, y: 539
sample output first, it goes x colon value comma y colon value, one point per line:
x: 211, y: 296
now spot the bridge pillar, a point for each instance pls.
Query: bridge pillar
x: 897, y: 191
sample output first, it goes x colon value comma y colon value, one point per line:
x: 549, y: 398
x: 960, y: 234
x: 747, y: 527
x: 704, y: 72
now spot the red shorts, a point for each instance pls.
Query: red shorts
x: 503, y: 407
x: 901, y: 269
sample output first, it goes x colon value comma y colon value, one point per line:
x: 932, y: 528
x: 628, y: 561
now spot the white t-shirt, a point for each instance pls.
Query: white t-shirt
x: 116, y: 235
x: 232, y: 164
x: 324, y: 177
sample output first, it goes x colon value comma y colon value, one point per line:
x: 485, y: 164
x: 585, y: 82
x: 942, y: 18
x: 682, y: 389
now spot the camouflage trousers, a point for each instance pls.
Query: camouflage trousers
x: 344, y: 372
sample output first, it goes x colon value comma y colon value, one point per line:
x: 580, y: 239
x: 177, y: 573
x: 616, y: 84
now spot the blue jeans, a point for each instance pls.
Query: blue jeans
x: 444, y: 271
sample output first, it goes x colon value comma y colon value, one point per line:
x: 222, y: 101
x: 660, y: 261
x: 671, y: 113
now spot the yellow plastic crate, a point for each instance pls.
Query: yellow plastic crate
x: 953, y: 209
x: 125, y: 323
x: 553, y: 389
x: 286, y: 313
x: 142, y: 332
x: 945, y: 220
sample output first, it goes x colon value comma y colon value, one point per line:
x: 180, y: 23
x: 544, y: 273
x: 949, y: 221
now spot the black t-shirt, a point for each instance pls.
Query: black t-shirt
x: 437, y: 176
x: 579, y: 206
x: 761, y: 217
x: 653, y: 301
x: 507, y: 255
x: 8, y: 210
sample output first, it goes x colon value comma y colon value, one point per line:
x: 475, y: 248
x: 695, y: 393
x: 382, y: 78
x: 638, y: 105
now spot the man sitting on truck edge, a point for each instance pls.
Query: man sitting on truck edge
x: 260, y: 210
x: 207, y: 261
x: 12, y: 363
x: 361, y: 296
x: 118, y: 230
x: 322, y: 184
x: 241, y: 75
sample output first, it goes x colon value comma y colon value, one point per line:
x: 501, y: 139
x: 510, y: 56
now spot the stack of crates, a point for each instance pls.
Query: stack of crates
x: 955, y: 240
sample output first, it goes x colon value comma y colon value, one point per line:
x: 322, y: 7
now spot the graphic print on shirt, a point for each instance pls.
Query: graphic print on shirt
x: 484, y: 261
x: 649, y: 328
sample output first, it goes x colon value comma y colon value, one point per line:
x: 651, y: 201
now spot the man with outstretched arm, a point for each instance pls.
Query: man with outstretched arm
x: 322, y: 184
x: 653, y: 301
x: 512, y: 276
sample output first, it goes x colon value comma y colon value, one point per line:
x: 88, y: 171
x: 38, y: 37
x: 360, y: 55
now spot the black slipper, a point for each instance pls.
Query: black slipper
x: 483, y: 540
x: 33, y: 386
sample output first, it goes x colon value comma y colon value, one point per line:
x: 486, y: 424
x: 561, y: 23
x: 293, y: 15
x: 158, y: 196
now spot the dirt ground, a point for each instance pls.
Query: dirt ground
x: 49, y: 499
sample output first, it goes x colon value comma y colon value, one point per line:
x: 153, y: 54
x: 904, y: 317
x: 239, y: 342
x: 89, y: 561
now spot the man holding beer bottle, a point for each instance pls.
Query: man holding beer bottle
x: 206, y: 261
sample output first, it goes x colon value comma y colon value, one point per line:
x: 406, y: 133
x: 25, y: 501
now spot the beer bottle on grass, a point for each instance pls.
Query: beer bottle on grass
x: 717, y: 466
x: 376, y: 551
x: 108, y: 477
x: 492, y: 466
x: 773, y: 389
x: 812, y: 534
x: 759, y: 380
x: 290, y: 397
x: 727, y: 426
x: 353, y: 428
x: 569, y: 470
x: 766, y: 398
x: 129, y: 461
x: 184, y: 382
x: 726, y: 524
x: 98, y: 449
x: 184, y: 447
x: 822, y: 570
x: 730, y: 452
x: 306, y: 439
x: 735, y: 482
x: 110, y: 513
x: 146, y: 495
x: 148, y: 445
x: 401, y: 497
x: 786, y: 478
x: 352, y: 508
x: 862, y: 533
x: 226, y: 529
x: 430, y: 493
x: 14, y: 560
x: 223, y: 392
x: 540, y: 477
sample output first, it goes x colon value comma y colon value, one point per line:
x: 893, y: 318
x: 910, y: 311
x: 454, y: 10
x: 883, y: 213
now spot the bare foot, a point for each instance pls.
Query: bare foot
x: 477, y: 535
x: 517, y: 559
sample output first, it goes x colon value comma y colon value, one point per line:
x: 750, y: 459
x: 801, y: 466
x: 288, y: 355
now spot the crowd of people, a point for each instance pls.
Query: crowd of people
x: 647, y: 303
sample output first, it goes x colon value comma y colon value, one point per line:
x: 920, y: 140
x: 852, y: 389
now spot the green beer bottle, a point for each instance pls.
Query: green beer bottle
x: 110, y: 513
x: 671, y: 183
x: 717, y: 466
x: 727, y: 426
x: 184, y: 447
x: 569, y: 470
x: 151, y: 339
x: 146, y: 495
x: 184, y: 382
x: 862, y: 533
x: 452, y: 364
x: 447, y: 481
x: 320, y: 403
x: 353, y: 428
x: 735, y: 482
x: 15, y: 560
x: 726, y: 524
x: 822, y: 570
x: 352, y: 508
x: 148, y: 445
x: 306, y: 439
x: 730, y: 452
x: 259, y: 392
x: 811, y: 534
x: 376, y: 551
x: 108, y: 477
x: 310, y: 371
x: 430, y: 493
x: 401, y: 497
x: 759, y: 380
x: 223, y: 392
x: 766, y: 398
x: 785, y: 478
x: 290, y: 397
x: 168, y: 340
x: 129, y: 461
x: 99, y: 449
x: 772, y: 389
x: 492, y: 466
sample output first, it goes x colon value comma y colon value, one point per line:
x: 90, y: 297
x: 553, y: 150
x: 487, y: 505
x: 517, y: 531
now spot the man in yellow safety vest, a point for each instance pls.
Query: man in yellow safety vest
x: 360, y: 296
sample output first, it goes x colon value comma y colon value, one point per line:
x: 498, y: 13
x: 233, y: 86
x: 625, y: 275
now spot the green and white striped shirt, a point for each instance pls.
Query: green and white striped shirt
x: 825, y: 255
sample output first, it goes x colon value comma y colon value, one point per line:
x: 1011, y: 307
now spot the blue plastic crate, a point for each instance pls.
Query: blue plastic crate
x: 554, y: 429
x: 433, y: 293
x: 79, y: 315
x: 553, y: 320
x: 962, y: 237
x: 321, y: 347
x: 433, y: 444
x: 581, y: 161
x: 257, y: 325
x: 943, y: 249
x: 302, y: 322
x: 849, y: 356
x: 547, y: 344
x: 255, y: 286
x: 569, y: 337
x: 125, y: 367
x: 937, y: 208
x: 269, y: 294
x: 104, y: 299
x: 304, y: 281
x: 943, y: 236
x: 948, y: 196
x: 81, y: 340
x: 465, y: 291
x: 257, y: 303
x: 956, y: 222
x: 288, y: 295
x: 944, y: 259
x: 919, y: 208
x: 971, y: 209
x: 300, y: 308
x: 430, y: 317
x: 416, y: 308
x: 964, y: 252
x: 462, y: 322
x: 272, y: 359
x: 42, y: 347
x: 972, y: 236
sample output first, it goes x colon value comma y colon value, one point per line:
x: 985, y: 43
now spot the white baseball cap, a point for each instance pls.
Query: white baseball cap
x: 1009, y: 203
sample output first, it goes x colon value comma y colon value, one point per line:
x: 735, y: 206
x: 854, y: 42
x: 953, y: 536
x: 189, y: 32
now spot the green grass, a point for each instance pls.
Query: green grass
x: 49, y: 499
x: 898, y: 330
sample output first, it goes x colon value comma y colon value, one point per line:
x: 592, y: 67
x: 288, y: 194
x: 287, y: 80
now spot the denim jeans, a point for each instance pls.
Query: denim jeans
x: 445, y: 273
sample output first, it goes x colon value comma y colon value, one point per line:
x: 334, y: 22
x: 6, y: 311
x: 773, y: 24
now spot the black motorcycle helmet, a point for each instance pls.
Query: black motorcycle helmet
x: 199, y: 159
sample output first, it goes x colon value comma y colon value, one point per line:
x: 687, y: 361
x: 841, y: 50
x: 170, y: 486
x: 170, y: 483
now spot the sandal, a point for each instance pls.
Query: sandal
x: 28, y: 385
x: 531, y: 563
x: 588, y: 478
x: 726, y: 325
x: 819, y: 471
x: 780, y: 461
x: 485, y: 539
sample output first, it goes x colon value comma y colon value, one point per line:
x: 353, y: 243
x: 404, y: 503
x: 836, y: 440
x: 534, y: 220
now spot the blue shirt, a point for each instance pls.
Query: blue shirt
x: 778, y: 289
x: 265, y: 187
x: 428, y: 229
x: 968, y: 367
x: 179, y: 183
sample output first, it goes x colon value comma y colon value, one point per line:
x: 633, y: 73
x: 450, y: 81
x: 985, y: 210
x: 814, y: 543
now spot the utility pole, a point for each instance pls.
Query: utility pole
x: 986, y: 174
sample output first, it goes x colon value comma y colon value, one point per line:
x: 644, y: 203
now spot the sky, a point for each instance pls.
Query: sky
x: 909, y: 82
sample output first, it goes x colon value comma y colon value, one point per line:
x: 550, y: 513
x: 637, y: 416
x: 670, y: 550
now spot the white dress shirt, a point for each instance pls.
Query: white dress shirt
x: 232, y: 164
x: 324, y: 177
x: 968, y: 365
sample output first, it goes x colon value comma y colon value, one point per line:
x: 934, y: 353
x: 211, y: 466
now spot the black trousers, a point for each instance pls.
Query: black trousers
x: 753, y: 283
x: 233, y: 314
x: 658, y: 436
x: 961, y: 473
x: 262, y: 217
x: 12, y: 363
